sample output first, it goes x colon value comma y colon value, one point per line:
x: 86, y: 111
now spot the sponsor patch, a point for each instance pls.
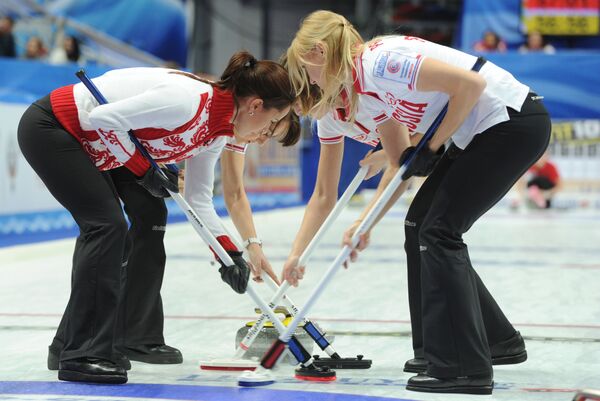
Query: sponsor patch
x: 380, y: 64
x: 397, y: 67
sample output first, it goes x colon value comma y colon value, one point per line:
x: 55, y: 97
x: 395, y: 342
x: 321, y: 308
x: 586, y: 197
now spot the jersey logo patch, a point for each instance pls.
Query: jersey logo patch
x: 397, y: 67
x: 393, y: 66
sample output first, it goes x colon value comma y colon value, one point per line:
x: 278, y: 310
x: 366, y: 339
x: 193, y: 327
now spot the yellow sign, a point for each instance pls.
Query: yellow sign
x: 562, y: 25
x: 576, y: 131
x: 561, y: 17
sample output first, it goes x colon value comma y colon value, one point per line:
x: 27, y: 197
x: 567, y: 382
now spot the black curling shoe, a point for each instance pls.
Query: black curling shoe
x: 53, y: 358
x: 91, y: 370
x: 462, y: 385
x: 510, y: 351
x: 153, y: 353
x: 507, y: 352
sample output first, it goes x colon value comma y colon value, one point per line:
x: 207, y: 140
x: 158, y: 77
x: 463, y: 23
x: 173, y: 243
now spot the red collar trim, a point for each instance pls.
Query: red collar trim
x: 221, y: 113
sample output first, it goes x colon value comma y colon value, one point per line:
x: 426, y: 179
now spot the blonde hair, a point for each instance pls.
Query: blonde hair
x: 341, y: 44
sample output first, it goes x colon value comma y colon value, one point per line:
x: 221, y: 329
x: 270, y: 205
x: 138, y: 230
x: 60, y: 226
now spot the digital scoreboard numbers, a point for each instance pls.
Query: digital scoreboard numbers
x: 561, y: 17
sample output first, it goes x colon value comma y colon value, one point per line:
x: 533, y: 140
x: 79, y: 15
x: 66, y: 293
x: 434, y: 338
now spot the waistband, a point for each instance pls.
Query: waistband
x: 44, y: 104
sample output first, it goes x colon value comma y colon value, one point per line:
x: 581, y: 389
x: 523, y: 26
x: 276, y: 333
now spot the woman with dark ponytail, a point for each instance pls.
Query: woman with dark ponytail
x: 70, y: 140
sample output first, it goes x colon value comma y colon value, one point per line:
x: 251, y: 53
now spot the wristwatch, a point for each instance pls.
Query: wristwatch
x: 252, y: 240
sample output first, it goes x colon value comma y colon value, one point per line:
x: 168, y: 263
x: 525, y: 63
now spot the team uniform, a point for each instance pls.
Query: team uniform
x: 72, y: 142
x: 455, y: 321
x: 333, y: 126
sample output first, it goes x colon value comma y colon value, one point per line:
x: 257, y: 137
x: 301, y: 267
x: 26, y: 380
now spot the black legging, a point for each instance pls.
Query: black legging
x: 72, y: 178
x: 141, y: 318
x: 453, y: 316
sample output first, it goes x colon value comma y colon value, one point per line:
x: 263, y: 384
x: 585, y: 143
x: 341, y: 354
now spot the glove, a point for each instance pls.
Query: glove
x: 236, y: 275
x: 423, y: 163
x: 157, y: 185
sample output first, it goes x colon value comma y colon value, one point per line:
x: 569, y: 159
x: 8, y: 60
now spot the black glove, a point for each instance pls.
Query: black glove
x: 423, y: 163
x: 155, y: 183
x: 237, y: 275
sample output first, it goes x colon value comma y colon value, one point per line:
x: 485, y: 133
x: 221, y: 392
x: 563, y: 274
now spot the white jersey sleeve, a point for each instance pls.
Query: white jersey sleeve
x: 152, y: 108
x: 199, y: 182
x: 233, y: 146
x: 329, y: 130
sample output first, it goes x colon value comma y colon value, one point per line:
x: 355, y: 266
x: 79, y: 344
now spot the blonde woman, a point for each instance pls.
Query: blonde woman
x: 498, y: 128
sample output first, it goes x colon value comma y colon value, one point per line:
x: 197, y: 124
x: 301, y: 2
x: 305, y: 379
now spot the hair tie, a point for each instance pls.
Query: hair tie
x: 250, y: 63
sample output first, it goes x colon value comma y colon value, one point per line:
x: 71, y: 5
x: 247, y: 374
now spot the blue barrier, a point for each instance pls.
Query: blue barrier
x: 568, y: 81
x: 24, y: 228
x: 23, y: 81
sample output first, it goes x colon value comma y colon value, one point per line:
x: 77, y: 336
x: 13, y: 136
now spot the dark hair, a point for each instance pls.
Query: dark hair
x: 291, y: 124
x: 245, y: 76
x: 494, y: 34
x: 75, y: 53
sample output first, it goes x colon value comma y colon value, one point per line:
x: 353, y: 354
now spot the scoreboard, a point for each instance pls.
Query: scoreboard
x: 561, y: 17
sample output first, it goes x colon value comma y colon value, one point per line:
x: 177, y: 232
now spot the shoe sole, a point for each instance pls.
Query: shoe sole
x: 414, y: 370
x: 482, y: 390
x: 74, y: 376
x: 154, y: 360
x: 510, y: 359
x: 53, y: 364
x: 502, y: 360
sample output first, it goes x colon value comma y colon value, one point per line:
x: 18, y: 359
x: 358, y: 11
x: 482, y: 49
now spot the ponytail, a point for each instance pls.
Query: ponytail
x: 245, y: 76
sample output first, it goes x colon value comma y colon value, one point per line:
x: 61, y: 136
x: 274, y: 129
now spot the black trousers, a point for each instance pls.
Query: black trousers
x: 141, y: 318
x: 543, y: 183
x: 454, y: 318
x: 88, y: 324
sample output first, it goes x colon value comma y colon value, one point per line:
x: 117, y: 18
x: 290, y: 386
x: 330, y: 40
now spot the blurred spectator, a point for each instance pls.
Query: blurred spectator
x: 35, y: 49
x: 490, y: 42
x: 7, y: 40
x: 536, y: 43
x: 68, y: 53
x: 538, y: 185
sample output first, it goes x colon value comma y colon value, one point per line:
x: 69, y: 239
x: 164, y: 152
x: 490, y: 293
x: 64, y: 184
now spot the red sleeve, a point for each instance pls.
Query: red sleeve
x: 226, y: 243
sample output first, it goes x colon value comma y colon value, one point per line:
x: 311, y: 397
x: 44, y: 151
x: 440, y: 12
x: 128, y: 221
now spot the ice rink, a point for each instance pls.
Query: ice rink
x: 543, y: 267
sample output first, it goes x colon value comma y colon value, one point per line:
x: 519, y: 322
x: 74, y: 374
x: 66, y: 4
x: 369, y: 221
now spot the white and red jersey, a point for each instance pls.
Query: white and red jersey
x: 332, y: 127
x: 172, y: 115
x: 387, y: 72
